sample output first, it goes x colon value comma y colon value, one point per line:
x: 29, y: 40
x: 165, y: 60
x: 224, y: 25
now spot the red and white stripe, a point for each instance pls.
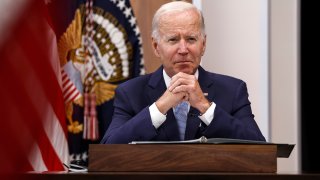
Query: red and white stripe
x: 70, y: 91
x: 32, y: 107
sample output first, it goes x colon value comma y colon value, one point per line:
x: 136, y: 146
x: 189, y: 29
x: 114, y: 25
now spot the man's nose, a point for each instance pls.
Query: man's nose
x: 183, y: 47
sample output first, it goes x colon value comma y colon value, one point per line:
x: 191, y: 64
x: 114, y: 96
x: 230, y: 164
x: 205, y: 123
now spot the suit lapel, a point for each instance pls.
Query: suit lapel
x: 156, y: 87
x: 193, y: 123
x: 206, y: 84
x: 171, y: 127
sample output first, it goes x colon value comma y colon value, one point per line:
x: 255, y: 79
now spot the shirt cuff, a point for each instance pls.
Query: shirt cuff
x: 157, y: 118
x: 207, y: 117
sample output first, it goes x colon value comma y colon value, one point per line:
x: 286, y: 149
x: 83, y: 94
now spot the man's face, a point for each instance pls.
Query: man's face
x: 181, y: 44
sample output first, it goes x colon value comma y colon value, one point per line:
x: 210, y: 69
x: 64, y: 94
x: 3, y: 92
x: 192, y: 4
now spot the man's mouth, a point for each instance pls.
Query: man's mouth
x: 182, y: 62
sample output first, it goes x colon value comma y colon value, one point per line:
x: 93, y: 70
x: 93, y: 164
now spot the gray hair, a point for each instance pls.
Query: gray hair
x: 170, y: 7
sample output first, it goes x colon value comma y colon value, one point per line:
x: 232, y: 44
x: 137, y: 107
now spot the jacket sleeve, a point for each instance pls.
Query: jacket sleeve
x: 237, y: 121
x: 128, y: 125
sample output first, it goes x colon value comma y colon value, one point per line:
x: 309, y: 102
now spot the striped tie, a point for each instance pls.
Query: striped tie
x: 181, y: 113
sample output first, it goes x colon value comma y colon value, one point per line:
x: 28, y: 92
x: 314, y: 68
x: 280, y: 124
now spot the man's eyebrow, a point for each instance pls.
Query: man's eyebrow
x: 193, y: 34
x: 170, y: 36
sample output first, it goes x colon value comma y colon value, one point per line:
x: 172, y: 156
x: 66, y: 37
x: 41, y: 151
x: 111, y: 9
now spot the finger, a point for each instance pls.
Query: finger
x: 177, y: 83
x: 181, y: 82
x: 178, y: 76
x: 180, y: 89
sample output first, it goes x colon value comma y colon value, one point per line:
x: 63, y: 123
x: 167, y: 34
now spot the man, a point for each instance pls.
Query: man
x: 217, y: 105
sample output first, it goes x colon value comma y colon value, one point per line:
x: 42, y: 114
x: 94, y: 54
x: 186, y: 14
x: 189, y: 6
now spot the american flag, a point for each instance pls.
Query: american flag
x: 70, y: 92
x: 32, y: 115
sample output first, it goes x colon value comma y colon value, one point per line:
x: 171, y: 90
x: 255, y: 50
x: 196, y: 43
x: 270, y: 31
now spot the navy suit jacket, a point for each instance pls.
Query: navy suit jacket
x: 131, y: 120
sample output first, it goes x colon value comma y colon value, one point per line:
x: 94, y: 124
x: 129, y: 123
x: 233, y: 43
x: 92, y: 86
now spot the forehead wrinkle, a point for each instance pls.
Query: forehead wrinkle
x: 191, y: 22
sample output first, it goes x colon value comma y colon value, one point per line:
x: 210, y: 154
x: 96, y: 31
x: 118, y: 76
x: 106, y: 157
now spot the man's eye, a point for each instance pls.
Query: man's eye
x: 172, y: 40
x: 192, y: 39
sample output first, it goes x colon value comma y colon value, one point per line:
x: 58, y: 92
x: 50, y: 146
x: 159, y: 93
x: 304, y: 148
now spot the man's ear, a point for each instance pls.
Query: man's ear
x: 155, y: 47
x: 204, y: 45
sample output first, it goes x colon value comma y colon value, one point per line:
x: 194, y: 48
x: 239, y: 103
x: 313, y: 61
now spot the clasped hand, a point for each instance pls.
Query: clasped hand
x: 183, y: 87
